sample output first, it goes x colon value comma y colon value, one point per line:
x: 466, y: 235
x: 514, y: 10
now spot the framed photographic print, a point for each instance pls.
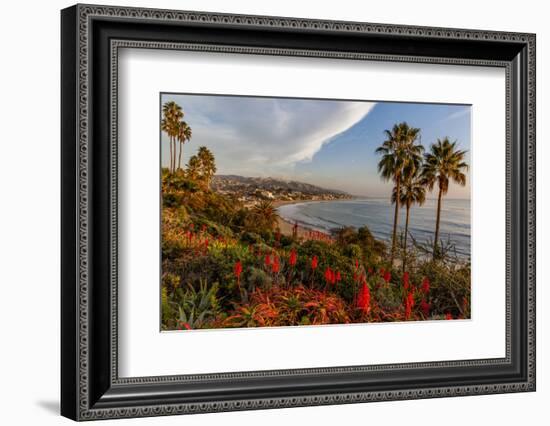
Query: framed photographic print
x: 263, y: 212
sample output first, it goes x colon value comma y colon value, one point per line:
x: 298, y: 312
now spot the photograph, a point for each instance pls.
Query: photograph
x: 280, y: 212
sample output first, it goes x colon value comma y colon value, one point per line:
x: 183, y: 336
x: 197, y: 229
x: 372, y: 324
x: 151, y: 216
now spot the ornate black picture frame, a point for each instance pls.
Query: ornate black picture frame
x: 91, y: 37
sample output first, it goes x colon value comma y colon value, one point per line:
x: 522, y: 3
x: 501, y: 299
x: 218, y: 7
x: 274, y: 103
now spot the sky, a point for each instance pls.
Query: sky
x: 329, y: 143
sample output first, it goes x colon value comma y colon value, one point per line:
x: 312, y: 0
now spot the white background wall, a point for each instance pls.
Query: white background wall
x: 29, y: 211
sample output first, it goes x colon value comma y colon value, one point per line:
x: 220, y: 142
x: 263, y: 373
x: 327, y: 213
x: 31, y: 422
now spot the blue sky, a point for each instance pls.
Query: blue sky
x: 329, y: 143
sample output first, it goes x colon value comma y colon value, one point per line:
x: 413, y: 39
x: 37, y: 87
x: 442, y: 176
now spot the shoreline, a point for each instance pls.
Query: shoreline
x: 286, y: 227
x: 279, y: 203
x: 309, y: 232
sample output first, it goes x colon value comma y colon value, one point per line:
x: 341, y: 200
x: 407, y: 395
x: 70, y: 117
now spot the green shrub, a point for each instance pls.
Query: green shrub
x: 168, y: 311
x: 371, y: 249
x: 353, y: 251
x: 450, y: 288
x: 287, y: 241
x: 213, y: 228
x: 258, y: 278
x: 170, y: 281
x: 251, y: 238
x: 389, y: 297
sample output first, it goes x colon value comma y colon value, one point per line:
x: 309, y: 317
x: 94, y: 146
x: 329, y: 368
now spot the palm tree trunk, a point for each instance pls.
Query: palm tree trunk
x: 170, y: 166
x: 179, y: 157
x: 175, y: 152
x: 174, y: 156
x: 436, y: 239
x: 406, y: 233
x: 394, y: 236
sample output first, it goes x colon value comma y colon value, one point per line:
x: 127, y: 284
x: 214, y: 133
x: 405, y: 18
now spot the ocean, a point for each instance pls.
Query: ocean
x: 377, y: 214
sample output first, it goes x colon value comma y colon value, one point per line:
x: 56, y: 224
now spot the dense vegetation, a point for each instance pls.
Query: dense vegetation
x: 227, y: 265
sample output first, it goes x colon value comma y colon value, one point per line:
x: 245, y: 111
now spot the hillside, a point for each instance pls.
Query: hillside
x: 251, y: 189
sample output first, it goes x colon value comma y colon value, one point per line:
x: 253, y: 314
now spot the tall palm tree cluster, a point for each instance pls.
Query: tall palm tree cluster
x: 177, y: 130
x: 414, y: 171
x: 201, y: 166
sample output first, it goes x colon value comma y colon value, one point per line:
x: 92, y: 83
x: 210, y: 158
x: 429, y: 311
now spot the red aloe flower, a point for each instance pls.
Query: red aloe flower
x: 370, y: 270
x: 267, y: 260
x: 338, y: 277
x: 387, y: 276
x: 238, y: 269
x: 356, y: 264
x: 275, y: 266
x: 292, y: 262
x: 425, y: 306
x: 448, y: 316
x: 363, y: 299
x: 186, y: 325
x: 314, y: 262
x: 426, y: 285
x: 293, y: 257
x: 329, y: 275
x: 382, y: 272
x: 409, y: 304
x: 406, y: 280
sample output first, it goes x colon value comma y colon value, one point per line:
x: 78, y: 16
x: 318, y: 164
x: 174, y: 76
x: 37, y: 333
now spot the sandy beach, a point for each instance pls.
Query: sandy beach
x: 286, y: 228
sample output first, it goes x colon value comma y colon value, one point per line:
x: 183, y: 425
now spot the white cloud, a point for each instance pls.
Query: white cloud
x: 259, y: 136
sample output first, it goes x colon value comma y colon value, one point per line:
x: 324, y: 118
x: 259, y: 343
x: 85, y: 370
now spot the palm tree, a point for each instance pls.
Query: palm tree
x: 265, y: 214
x: 442, y: 164
x: 400, y: 155
x: 413, y: 191
x: 194, y: 168
x: 208, y: 164
x: 184, y: 134
x: 172, y: 114
x: 202, y: 166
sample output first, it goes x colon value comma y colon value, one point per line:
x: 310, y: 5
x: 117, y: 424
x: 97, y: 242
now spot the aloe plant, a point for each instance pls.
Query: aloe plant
x: 198, y: 305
